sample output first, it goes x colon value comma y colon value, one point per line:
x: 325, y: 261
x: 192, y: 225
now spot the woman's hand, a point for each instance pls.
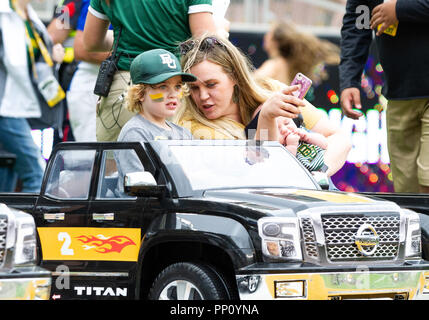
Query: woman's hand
x: 283, y: 104
x: 280, y: 104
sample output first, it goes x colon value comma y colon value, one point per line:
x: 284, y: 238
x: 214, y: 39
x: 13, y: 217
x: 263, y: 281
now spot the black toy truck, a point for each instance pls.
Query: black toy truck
x: 217, y: 220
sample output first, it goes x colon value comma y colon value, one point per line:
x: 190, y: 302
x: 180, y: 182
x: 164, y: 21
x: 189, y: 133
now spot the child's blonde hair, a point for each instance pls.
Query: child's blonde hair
x: 135, y: 96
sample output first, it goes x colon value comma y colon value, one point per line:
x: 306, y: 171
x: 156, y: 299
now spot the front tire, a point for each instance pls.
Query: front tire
x: 188, y: 281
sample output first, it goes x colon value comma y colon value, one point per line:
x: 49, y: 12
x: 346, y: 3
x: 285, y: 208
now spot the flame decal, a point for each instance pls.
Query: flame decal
x: 106, y: 244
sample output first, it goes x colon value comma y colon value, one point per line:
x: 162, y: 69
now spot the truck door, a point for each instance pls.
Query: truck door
x: 62, y: 208
x: 116, y: 224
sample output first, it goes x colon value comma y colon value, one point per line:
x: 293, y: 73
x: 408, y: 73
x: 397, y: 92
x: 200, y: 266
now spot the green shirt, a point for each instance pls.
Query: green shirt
x: 148, y: 24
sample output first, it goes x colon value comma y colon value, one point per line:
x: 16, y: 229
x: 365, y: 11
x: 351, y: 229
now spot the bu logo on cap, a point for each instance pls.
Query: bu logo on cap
x: 166, y: 59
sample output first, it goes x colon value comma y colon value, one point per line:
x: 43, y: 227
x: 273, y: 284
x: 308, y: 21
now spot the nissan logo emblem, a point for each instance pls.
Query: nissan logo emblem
x: 367, y: 240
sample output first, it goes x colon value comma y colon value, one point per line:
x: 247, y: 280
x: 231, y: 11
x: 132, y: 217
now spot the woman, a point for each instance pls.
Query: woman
x: 291, y: 51
x: 138, y: 26
x: 221, y: 102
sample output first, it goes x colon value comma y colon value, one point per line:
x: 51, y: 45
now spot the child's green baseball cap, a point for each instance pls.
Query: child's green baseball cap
x: 155, y: 66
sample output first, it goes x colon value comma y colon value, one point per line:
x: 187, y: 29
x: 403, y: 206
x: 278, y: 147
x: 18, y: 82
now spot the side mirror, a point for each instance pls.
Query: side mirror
x: 142, y: 184
x: 322, y: 179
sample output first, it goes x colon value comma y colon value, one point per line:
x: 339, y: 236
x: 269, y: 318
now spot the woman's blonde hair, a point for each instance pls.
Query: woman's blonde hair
x: 134, y: 97
x: 248, y: 94
x: 304, y: 52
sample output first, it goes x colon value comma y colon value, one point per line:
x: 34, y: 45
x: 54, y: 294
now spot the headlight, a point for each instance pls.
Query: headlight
x: 413, y: 244
x: 20, y: 232
x: 280, y: 238
x: 25, y: 250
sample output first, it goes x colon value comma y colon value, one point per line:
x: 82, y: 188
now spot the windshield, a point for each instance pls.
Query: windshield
x: 232, y: 166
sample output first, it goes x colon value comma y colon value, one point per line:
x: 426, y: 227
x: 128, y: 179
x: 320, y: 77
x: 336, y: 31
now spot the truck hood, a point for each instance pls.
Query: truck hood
x: 279, y: 201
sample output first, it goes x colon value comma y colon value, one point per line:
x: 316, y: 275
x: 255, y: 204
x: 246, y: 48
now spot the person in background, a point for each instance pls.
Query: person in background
x: 63, y: 25
x: 291, y: 51
x: 402, y: 40
x: 26, y: 64
x: 62, y: 30
x: 81, y: 99
x: 138, y: 26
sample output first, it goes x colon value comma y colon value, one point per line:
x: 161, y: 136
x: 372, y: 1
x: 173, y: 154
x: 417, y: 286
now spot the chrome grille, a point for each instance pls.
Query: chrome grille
x: 309, y: 238
x: 3, y: 234
x: 340, y: 232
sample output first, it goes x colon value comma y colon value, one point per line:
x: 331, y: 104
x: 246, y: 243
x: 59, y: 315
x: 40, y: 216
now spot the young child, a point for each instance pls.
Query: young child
x: 309, y: 147
x: 155, y: 95
x: 157, y: 87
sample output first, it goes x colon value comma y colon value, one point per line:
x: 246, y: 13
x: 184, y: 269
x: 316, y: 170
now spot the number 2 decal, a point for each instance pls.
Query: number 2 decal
x: 65, y: 249
x: 90, y: 244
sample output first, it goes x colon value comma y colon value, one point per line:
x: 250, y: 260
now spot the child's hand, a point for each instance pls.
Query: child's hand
x: 292, y: 139
x: 303, y: 135
x: 282, y: 104
x: 284, y: 132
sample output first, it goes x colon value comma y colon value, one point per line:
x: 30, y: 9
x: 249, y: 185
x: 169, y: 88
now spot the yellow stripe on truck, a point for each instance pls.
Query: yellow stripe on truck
x: 334, y: 197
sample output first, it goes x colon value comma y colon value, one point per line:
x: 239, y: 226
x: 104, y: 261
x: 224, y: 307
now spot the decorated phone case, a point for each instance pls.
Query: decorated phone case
x: 305, y: 84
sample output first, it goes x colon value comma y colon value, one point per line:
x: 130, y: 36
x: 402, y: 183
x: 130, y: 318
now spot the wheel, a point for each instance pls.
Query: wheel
x: 188, y: 281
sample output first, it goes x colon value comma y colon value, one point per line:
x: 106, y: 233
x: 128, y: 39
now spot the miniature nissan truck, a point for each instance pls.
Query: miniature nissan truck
x: 203, y: 219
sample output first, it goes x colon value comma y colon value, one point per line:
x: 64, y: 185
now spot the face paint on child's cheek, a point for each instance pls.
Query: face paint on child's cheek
x: 180, y: 94
x: 159, y: 97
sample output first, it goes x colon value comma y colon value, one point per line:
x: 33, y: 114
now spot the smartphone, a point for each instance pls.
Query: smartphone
x: 304, y: 83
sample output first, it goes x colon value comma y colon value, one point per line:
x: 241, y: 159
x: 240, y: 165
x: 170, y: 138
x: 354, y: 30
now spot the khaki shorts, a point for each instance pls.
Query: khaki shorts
x: 111, y: 110
x: 408, y: 143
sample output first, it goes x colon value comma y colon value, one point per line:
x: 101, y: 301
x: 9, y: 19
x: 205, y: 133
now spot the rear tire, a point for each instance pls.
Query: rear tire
x: 188, y: 281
